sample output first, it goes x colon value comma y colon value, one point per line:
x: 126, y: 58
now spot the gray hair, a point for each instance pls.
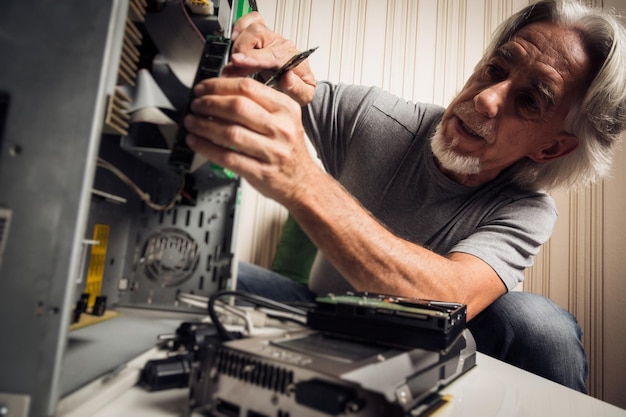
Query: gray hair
x: 598, y: 118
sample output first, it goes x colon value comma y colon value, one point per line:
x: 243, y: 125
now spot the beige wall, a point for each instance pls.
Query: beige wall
x: 423, y: 50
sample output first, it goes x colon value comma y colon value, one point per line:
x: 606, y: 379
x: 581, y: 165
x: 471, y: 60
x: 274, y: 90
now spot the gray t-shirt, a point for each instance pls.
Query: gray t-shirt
x: 378, y: 147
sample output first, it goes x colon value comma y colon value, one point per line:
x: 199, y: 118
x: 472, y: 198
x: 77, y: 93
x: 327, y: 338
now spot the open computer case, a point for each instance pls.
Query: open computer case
x: 74, y: 233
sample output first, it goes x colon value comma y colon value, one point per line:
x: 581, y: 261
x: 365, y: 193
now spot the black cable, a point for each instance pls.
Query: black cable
x: 254, y: 299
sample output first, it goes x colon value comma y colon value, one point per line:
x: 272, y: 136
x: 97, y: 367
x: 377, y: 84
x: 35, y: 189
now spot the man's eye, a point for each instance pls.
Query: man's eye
x: 527, y: 101
x: 495, y: 72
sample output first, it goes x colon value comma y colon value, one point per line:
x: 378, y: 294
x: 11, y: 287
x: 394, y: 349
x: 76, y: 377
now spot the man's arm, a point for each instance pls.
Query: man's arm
x: 257, y: 132
x: 373, y: 259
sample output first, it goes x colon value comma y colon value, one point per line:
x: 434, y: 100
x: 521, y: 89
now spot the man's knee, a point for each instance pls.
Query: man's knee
x: 534, y: 333
x: 532, y: 318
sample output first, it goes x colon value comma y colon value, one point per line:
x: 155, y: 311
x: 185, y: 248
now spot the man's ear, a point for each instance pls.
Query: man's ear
x: 561, y: 146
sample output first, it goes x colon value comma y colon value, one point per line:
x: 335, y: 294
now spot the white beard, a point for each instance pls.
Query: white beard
x: 450, y: 159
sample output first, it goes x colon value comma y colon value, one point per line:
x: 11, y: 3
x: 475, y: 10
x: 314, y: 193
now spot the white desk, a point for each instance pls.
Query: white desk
x: 497, y: 389
x: 491, y: 389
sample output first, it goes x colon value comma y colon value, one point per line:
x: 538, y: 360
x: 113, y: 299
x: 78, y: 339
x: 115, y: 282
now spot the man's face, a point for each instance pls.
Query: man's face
x: 514, y: 105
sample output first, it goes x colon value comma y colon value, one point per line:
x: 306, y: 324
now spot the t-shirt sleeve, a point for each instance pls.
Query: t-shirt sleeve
x: 510, y: 237
x: 333, y: 117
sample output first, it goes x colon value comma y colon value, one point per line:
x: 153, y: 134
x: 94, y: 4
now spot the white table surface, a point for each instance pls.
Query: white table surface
x: 497, y: 389
x: 491, y: 389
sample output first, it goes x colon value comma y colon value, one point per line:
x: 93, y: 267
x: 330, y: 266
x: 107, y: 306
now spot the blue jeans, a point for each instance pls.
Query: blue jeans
x: 523, y: 329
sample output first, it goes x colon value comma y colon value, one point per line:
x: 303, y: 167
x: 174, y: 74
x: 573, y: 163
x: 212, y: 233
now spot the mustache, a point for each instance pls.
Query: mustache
x: 474, y: 121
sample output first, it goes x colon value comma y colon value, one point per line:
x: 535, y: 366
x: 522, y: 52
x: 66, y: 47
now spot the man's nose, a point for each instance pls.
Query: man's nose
x: 491, y: 100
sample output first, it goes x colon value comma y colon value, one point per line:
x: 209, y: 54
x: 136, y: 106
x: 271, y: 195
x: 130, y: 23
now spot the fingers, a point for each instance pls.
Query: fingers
x: 217, y: 138
x: 299, y: 83
x: 243, y: 114
x: 246, y: 20
x: 300, y: 89
x: 263, y: 96
x: 257, y: 48
x: 272, y: 179
x: 238, y: 163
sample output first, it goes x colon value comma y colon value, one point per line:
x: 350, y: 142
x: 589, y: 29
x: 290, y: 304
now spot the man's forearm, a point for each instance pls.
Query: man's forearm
x: 371, y: 258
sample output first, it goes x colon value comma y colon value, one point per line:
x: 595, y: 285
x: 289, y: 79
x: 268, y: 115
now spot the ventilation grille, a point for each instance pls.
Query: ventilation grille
x: 253, y: 371
x: 170, y: 257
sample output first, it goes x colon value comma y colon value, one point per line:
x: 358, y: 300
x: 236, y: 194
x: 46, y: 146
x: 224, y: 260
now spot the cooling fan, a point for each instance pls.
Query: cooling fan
x: 170, y: 257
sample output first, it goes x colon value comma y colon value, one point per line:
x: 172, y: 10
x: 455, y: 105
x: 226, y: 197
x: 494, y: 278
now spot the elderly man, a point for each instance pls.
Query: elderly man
x: 421, y: 201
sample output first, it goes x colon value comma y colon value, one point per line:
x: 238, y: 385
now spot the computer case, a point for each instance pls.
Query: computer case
x: 64, y: 218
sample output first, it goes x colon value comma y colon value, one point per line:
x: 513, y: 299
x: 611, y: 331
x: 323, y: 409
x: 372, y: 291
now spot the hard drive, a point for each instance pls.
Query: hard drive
x: 391, y: 320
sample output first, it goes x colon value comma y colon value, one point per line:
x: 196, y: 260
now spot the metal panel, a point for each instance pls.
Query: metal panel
x: 54, y: 59
x: 60, y: 67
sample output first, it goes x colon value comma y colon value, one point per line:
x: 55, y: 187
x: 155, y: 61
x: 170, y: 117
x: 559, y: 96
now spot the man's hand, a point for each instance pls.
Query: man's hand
x: 256, y: 132
x: 256, y: 48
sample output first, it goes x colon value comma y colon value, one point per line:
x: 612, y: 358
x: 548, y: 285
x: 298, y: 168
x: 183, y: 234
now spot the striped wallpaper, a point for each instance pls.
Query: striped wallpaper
x: 423, y: 50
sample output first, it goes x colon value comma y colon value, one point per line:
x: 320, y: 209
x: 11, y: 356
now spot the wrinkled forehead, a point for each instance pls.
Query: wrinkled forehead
x: 555, y: 50
x: 558, y: 45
